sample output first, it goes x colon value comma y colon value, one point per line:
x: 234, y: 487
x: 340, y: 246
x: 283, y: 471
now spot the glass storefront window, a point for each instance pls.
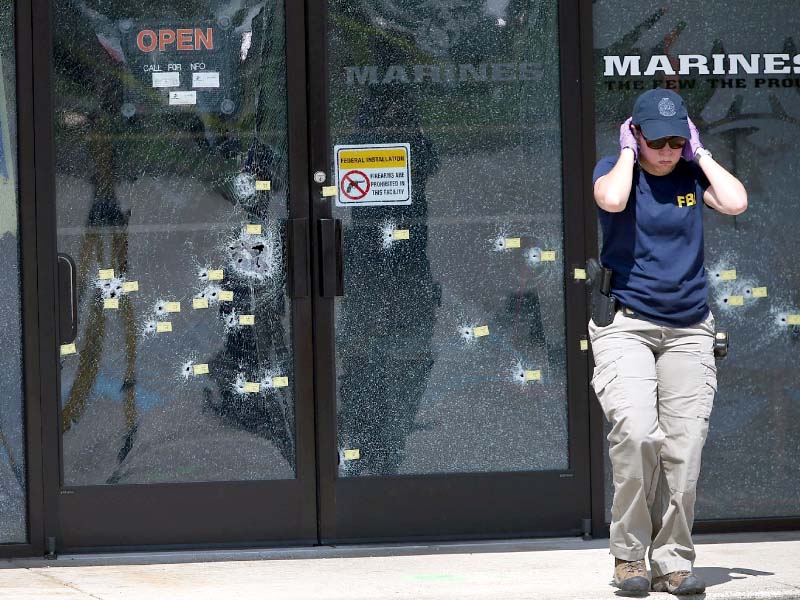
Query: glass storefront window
x: 451, y: 334
x: 736, y: 64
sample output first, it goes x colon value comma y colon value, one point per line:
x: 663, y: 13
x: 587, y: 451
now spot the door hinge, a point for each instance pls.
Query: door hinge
x: 586, y: 526
x: 51, y: 549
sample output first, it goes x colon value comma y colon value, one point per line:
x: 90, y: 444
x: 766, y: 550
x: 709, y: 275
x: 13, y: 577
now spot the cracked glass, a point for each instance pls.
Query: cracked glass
x: 171, y: 191
x: 451, y: 335
x: 747, y: 108
x: 13, y: 487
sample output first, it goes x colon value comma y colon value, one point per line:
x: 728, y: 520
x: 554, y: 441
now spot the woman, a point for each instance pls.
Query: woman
x: 655, y: 375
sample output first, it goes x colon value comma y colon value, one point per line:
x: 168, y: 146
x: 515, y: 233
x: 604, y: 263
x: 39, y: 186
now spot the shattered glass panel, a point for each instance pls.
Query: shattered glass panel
x: 451, y: 336
x: 172, y: 192
x: 13, y: 488
x: 747, y: 107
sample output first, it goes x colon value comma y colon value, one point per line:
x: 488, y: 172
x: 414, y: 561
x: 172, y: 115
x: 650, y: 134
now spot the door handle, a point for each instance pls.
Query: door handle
x: 331, y: 276
x: 67, y: 300
x: 297, y: 241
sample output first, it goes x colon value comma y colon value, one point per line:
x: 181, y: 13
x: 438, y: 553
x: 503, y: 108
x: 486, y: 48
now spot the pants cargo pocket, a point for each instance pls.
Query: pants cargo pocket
x: 607, y: 393
x: 709, y: 388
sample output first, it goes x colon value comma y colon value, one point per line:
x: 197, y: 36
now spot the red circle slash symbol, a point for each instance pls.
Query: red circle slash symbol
x: 355, y: 185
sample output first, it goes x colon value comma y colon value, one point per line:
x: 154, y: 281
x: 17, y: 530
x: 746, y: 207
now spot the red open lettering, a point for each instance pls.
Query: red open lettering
x: 146, y: 46
x: 185, y: 39
x: 206, y: 39
x: 166, y: 37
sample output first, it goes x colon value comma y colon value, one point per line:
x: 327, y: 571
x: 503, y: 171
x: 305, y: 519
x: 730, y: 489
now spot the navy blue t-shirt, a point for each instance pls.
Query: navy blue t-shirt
x: 655, y: 246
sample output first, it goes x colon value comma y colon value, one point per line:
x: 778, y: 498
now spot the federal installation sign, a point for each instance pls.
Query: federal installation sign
x: 373, y: 174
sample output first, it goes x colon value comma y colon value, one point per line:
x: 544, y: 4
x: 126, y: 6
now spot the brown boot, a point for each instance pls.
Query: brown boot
x: 679, y: 582
x: 631, y: 576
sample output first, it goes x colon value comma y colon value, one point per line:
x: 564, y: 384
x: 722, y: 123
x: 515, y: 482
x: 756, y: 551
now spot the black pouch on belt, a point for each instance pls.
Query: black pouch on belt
x: 604, y: 305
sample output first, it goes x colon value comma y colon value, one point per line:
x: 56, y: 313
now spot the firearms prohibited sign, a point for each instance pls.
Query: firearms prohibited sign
x: 373, y: 174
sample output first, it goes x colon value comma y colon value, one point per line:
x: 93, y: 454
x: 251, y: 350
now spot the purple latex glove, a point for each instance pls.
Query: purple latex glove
x: 694, y: 143
x: 627, y: 139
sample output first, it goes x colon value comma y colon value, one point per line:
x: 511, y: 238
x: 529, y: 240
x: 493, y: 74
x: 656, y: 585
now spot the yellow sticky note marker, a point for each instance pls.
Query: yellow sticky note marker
x: 729, y: 275
x: 580, y: 274
x: 736, y: 300
x: 793, y: 319
x: 173, y: 307
x: 400, y: 234
x: 199, y: 303
x: 329, y: 190
x: 216, y: 275
x: 280, y: 382
x: 721, y: 335
x: 68, y: 349
x: 481, y: 331
x: 512, y: 243
x: 130, y: 286
x: 253, y: 229
x: 533, y: 375
x: 352, y: 454
x: 111, y: 303
x: 201, y: 369
x: 548, y: 255
x: 105, y: 274
x: 760, y: 292
x: 252, y: 388
x: 247, y: 319
x: 163, y: 326
x: 263, y: 186
x: 584, y: 345
x: 226, y: 296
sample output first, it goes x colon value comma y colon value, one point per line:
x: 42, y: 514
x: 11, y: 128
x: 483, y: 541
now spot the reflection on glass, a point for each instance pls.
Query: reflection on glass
x: 450, y: 344
x: 13, y: 516
x: 751, y: 124
x: 172, y: 184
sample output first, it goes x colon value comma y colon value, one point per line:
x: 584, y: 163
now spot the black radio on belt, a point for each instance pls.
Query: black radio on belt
x: 720, y: 344
x: 604, y: 305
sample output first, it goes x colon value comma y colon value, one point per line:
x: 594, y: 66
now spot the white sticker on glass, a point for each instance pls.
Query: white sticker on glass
x: 205, y: 79
x: 182, y: 98
x: 166, y: 80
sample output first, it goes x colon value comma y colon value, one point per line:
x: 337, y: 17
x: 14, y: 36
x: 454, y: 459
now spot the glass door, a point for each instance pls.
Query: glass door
x: 185, y: 411
x: 457, y: 313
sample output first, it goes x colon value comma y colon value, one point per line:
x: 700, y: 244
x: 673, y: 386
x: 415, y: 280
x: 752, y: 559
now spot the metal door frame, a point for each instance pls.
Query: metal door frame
x: 289, y: 505
x: 445, y: 506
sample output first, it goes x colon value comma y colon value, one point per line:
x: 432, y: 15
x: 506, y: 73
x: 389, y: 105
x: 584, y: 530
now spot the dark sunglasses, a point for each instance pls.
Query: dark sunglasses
x: 674, y: 142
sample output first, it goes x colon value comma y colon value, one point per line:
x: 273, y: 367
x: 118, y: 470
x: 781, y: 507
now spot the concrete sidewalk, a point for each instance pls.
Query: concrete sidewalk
x: 737, y: 566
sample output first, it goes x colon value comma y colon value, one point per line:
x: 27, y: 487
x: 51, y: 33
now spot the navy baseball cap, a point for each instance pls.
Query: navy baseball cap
x: 661, y: 113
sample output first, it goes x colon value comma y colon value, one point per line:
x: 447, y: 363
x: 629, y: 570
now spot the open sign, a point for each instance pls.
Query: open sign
x: 149, y: 40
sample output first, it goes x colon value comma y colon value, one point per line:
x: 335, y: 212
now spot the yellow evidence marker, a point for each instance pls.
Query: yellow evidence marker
x: 200, y: 369
x: 548, y: 255
x: 481, y: 331
x: 533, y: 375
x: 163, y: 327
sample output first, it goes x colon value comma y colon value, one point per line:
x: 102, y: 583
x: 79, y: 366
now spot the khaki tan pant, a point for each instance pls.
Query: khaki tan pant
x: 656, y: 385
